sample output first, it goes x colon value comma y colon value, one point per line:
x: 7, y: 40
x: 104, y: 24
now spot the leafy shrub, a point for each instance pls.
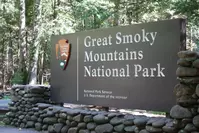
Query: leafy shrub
x: 19, y: 77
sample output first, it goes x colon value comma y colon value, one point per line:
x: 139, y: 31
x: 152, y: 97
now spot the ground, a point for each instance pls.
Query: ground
x: 6, y: 129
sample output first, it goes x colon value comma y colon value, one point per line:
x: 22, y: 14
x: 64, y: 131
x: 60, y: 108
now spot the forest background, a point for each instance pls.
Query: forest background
x: 26, y: 27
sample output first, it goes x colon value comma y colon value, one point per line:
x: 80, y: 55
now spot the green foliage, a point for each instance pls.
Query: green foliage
x: 29, y: 12
x: 6, y: 97
x: 189, y: 8
x: 19, y: 77
x: 61, y: 17
x: 91, y: 14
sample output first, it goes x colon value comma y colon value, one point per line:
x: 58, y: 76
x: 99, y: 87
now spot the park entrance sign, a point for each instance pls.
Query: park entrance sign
x: 126, y: 67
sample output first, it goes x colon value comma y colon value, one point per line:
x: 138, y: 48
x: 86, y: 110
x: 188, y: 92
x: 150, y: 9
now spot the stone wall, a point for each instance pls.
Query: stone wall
x: 31, y: 108
x: 22, y: 108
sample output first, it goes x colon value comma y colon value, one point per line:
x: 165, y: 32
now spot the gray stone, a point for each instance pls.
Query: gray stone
x: 36, y: 114
x: 73, y: 130
x: 60, y: 120
x: 104, y: 128
x: 169, y: 128
x: 30, y: 124
x: 34, y: 118
x: 45, y: 127
x: 100, y: 119
x: 21, y: 117
x: 179, y: 112
x: 189, y: 80
x: 6, y: 121
x: 51, y: 129
x: 10, y: 114
x: 151, y: 120
x: 186, y: 100
x: 190, y: 128
x: 73, y: 124
x: 137, y: 129
x: 63, y: 115
x: 129, y: 117
x: 119, y: 128
x: 14, y: 98
x: 188, y: 55
x: 36, y: 100
x: 91, y: 126
x: 182, y: 131
x: 196, y: 121
x: 36, y: 89
x: 116, y: 121
x: 178, y: 123
x: 196, y: 63
x: 78, y: 118
x: 182, y: 90
x: 72, y: 112
x: 186, y: 121
x: 111, y: 115
x: 58, y: 127
x: 195, y: 96
x: 153, y: 129
x: 38, y: 126
x: 50, y: 120
x: 24, y: 120
x: 144, y: 131
x: 84, y: 131
x: 64, y: 129
x: 88, y: 118
x: 127, y: 122
x: 19, y: 87
x: 197, y: 90
x: 21, y: 92
x: 22, y: 125
x: 33, y: 95
x: 68, y: 123
x: 187, y: 72
x: 158, y: 123
x: 194, y: 111
x: 81, y: 125
x: 13, y: 109
x: 129, y: 128
x: 69, y: 117
x: 183, y: 62
x: 43, y: 105
x: 140, y: 122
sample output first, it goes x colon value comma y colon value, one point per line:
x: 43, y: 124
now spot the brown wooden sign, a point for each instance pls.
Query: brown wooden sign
x: 126, y: 67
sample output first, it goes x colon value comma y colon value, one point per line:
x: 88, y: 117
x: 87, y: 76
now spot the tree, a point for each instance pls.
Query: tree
x: 33, y: 76
x: 22, y: 63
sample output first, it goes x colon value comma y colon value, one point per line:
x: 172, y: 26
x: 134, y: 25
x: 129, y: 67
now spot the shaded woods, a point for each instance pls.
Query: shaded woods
x: 27, y: 26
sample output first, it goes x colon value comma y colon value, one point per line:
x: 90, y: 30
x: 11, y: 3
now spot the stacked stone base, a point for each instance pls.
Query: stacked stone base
x: 56, y: 119
x: 22, y: 108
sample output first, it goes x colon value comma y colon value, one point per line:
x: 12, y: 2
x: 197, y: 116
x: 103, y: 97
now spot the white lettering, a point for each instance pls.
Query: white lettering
x: 153, y: 36
x: 85, y: 41
x: 118, y: 38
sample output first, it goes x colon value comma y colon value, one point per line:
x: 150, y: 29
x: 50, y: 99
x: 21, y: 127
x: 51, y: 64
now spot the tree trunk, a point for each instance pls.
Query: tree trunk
x: 22, y: 64
x: 41, y: 66
x: 116, y: 14
x: 34, y: 71
x: 9, y: 63
x: 2, y: 55
x: 2, y: 64
x: 94, y: 21
x: 136, y: 12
